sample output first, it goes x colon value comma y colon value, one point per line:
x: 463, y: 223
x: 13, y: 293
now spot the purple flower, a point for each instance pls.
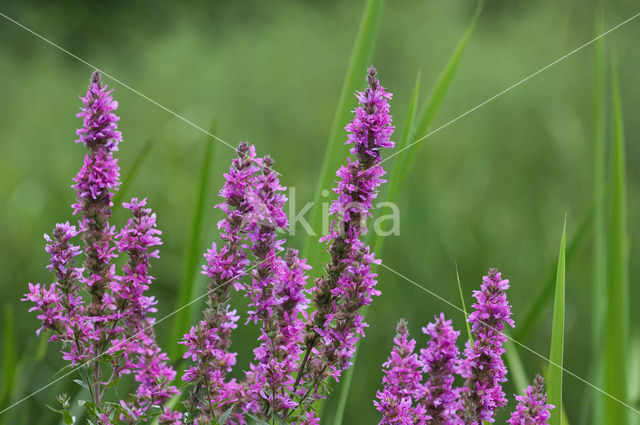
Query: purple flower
x: 440, y: 400
x: 532, y: 407
x: 482, y: 365
x: 142, y: 355
x: 349, y: 284
x: 94, y: 184
x: 208, y: 342
x: 401, y: 381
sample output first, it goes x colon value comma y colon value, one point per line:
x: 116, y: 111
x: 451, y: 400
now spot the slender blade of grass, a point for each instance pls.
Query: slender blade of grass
x: 464, y: 306
x: 407, y: 157
x: 133, y: 171
x: 598, y: 289
x: 554, y: 376
x: 536, y: 308
x: 617, y: 314
x: 516, y: 367
x: 192, y: 256
x: 9, y: 348
x: 334, y: 156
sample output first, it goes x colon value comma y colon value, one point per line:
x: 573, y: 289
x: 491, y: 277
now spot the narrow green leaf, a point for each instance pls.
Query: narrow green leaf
x: 554, y: 377
x: 334, y: 155
x: 617, y: 310
x: 516, y: 368
x: 598, y: 289
x: 464, y: 306
x: 536, y: 308
x: 407, y: 157
x: 9, y: 346
x: 133, y: 171
x: 192, y: 254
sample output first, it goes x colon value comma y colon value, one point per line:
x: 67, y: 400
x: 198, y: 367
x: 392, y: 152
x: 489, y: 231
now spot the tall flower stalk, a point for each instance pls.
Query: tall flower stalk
x: 482, y: 366
x: 401, y: 382
x: 348, y: 284
x: 109, y: 335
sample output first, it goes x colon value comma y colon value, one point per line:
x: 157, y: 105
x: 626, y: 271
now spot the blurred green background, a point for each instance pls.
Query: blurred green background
x: 492, y: 189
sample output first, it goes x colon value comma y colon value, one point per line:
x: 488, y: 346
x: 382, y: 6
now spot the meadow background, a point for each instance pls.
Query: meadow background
x: 492, y: 189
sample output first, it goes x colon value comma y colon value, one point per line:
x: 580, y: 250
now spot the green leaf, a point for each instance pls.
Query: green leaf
x: 9, y: 345
x: 464, y: 306
x: 598, y: 288
x: 225, y: 415
x: 554, y: 377
x: 407, y: 157
x: 334, y: 154
x: 192, y: 255
x: 516, y: 368
x: 617, y: 310
x: 133, y: 171
x: 536, y: 307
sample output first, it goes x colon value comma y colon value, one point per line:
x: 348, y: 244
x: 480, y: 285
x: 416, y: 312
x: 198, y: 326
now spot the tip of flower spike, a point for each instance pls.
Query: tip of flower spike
x: 243, y: 149
x: 96, y: 78
x: 371, y: 77
x: 493, y: 272
x: 402, y: 327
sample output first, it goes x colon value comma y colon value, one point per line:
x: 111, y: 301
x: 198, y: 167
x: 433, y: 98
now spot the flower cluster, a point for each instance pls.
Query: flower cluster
x: 298, y: 352
x: 406, y: 398
x: 482, y: 366
x: 532, y: 407
x: 112, y: 332
x: 336, y: 325
x: 401, y: 382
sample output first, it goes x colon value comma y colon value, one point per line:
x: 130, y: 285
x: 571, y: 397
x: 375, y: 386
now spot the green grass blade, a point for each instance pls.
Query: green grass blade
x: 599, y: 182
x: 554, y: 377
x: 133, y: 171
x: 617, y: 312
x: 516, y: 367
x: 407, y: 157
x: 464, y: 306
x: 9, y: 348
x: 334, y: 155
x: 192, y: 256
x: 536, y: 308
x: 598, y: 289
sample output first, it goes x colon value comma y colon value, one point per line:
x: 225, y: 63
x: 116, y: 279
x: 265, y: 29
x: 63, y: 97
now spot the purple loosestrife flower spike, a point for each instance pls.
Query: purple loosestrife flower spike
x: 208, y: 342
x: 482, y: 365
x: 278, y: 296
x: 349, y: 283
x: 141, y: 354
x: 401, y: 381
x: 532, y: 407
x: 95, y: 183
x: 440, y: 400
